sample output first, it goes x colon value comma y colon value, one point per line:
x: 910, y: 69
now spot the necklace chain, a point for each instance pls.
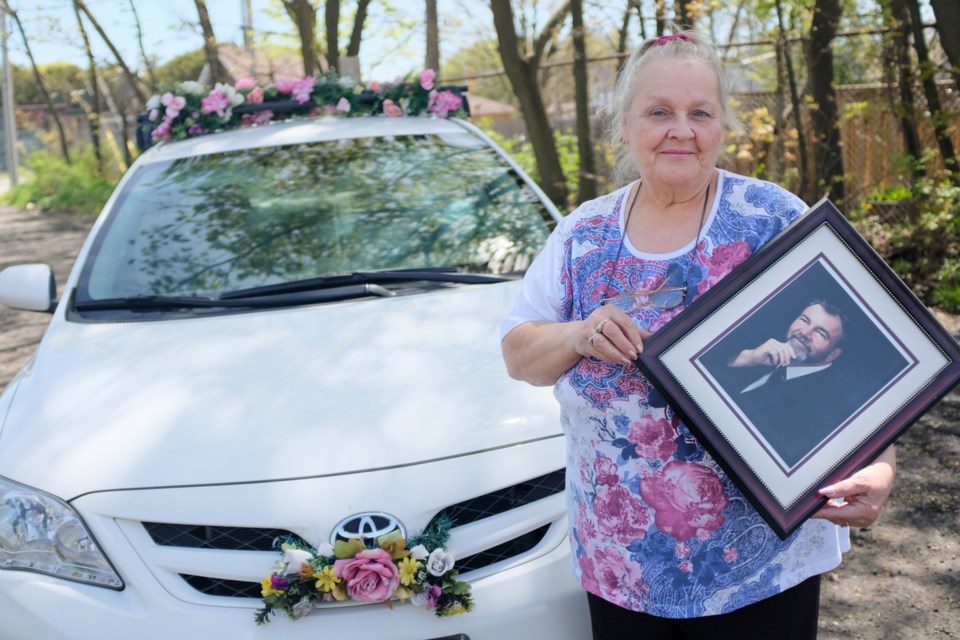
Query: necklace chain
x: 626, y: 222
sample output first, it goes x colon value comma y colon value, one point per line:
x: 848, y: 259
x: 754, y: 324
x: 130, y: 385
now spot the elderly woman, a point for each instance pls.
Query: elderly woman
x: 664, y: 542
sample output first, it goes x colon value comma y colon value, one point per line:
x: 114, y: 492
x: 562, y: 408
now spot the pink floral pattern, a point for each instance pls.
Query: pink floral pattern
x: 686, y: 497
x: 653, y: 437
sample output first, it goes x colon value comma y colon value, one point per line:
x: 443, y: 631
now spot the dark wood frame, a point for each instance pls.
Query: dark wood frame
x: 669, y: 361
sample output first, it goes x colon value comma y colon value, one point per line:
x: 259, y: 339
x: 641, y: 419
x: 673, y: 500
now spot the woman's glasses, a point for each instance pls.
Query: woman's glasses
x: 663, y: 297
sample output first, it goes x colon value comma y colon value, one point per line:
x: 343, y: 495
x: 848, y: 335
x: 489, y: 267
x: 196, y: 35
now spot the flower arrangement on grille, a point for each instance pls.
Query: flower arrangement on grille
x: 419, y: 570
x: 190, y: 108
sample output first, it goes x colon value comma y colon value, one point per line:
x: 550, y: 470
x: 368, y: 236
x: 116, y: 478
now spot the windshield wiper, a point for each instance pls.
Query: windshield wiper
x: 273, y: 299
x: 370, y: 278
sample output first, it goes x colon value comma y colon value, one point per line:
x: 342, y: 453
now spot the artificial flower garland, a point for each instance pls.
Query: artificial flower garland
x: 190, y: 108
x: 423, y: 574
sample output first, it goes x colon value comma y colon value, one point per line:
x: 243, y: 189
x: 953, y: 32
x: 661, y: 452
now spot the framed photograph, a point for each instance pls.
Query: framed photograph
x: 802, y: 365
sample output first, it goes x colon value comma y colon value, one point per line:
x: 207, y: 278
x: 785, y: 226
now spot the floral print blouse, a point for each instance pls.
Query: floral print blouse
x: 655, y: 524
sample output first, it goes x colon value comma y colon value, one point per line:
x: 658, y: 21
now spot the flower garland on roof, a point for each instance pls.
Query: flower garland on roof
x: 191, y: 109
x: 420, y: 570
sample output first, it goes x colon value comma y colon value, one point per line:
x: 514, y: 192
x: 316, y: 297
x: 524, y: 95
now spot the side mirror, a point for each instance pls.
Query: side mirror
x: 30, y: 287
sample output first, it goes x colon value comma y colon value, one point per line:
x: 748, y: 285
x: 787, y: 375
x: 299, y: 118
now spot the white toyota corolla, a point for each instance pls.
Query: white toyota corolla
x: 276, y: 333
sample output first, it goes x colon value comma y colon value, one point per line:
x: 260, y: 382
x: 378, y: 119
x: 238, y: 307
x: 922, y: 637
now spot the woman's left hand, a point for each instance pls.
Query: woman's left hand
x: 864, y: 493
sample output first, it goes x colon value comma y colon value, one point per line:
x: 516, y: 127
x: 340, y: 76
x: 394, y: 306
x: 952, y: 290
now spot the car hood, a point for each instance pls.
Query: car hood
x: 305, y: 392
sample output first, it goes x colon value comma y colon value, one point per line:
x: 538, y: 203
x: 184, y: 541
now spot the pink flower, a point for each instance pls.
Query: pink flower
x: 162, y: 130
x: 258, y: 118
x: 302, y: 89
x: 613, y: 574
x: 245, y: 83
x: 173, y: 104
x: 727, y: 256
x: 255, y: 96
x: 683, y: 550
x: 154, y: 114
x: 194, y: 130
x: 444, y: 102
x: 343, y: 106
x: 587, y: 577
x: 373, y: 85
x: 653, y: 438
x: 284, y: 85
x: 370, y: 575
x: 731, y: 554
x: 427, y: 77
x: 687, y: 498
x: 620, y: 515
x: 606, y: 471
x: 215, y: 102
x: 391, y: 109
x: 686, y: 566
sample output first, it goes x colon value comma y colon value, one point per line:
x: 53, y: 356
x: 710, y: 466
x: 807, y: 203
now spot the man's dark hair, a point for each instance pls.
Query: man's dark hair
x: 834, y: 311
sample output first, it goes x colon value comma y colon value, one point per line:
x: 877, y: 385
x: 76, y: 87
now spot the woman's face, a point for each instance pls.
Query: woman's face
x: 675, y: 124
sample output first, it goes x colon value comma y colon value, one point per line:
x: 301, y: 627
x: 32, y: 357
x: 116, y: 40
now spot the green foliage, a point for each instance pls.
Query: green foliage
x: 58, y: 186
x: 59, y: 78
x: 917, y: 231
x: 186, y: 66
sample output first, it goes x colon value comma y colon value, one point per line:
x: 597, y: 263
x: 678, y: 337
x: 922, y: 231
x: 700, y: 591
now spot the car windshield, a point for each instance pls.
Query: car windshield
x: 214, y: 224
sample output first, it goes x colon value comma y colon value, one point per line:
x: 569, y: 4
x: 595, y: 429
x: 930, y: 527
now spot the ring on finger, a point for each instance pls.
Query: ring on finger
x: 592, y: 338
x: 599, y: 327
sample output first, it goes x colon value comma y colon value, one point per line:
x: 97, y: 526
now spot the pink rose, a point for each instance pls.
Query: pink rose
x: 653, y: 438
x: 255, y: 96
x: 373, y: 85
x: 731, y: 554
x: 683, y: 550
x: 687, y: 499
x: 443, y: 103
x: 343, y: 105
x: 727, y: 256
x: 685, y: 566
x: 617, y: 575
x: 587, y: 577
x: 606, y: 471
x: 257, y: 119
x: 391, y: 109
x: 284, y: 85
x: 427, y: 77
x: 245, y: 83
x: 620, y: 515
x: 302, y: 89
x: 215, y: 102
x: 370, y: 576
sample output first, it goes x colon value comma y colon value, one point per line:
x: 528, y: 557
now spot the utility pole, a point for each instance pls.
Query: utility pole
x: 246, y: 7
x: 6, y: 90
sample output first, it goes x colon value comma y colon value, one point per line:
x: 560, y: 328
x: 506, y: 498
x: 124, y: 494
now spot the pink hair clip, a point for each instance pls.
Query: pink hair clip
x: 662, y: 40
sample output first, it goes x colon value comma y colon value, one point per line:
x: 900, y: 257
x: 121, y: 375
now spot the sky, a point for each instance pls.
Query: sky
x: 51, y: 30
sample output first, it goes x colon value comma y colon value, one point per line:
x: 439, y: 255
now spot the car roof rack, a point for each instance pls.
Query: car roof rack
x: 283, y: 110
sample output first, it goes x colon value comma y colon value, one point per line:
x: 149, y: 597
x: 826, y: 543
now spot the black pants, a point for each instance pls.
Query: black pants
x: 791, y: 615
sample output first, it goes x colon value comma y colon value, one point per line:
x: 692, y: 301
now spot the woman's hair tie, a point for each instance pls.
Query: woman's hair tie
x: 662, y: 40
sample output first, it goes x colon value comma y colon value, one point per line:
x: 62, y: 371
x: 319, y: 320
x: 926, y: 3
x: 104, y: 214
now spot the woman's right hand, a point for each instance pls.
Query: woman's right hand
x: 610, y: 335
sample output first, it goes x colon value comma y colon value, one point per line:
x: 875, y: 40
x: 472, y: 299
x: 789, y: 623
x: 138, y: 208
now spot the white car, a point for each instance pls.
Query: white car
x: 289, y: 330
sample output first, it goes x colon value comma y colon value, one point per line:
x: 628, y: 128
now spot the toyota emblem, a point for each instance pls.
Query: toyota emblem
x: 368, y: 527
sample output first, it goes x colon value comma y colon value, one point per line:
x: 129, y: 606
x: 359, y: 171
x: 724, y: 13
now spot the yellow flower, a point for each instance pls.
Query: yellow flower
x: 327, y: 579
x: 408, y: 570
x: 267, y: 588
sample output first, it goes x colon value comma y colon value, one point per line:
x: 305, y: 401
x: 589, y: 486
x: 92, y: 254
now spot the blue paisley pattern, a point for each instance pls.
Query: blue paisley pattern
x: 656, y: 525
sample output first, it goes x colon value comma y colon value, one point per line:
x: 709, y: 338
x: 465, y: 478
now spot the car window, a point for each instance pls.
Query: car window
x: 223, y: 222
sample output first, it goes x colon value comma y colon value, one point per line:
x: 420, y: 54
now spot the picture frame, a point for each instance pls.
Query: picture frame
x: 820, y: 289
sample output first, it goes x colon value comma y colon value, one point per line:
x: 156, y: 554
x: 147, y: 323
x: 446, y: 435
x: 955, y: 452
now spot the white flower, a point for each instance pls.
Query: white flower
x: 153, y: 102
x: 419, y: 599
x: 325, y: 550
x: 194, y: 87
x: 439, y: 562
x: 419, y: 552
x: 295, y: 559
x: 302, y: 608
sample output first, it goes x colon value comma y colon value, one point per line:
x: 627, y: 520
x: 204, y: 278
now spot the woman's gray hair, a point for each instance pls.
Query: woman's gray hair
x: 689, y: 44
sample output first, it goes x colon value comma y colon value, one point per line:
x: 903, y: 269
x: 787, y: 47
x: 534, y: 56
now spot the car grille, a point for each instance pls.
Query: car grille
x: 462, y: 513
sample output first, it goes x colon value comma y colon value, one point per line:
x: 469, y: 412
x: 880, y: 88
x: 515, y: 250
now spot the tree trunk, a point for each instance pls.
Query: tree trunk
x: 806, y: 192
x: 927, y: 69
x: 828, y: 153
x: 129, y: 75
x: 64, y: 148
x: 151, y: 74
x: 433, y: 37
x: 331, y: 18
x: 682, y: 15
x: 521, y: 70
x: 660, y: 9
x: 588, y: 170
x: 217, y: 72
x: 947, y: 13
x: 353, y: 48
x: 902, y: 67
x: 304, y: 17
x: 93, y: 112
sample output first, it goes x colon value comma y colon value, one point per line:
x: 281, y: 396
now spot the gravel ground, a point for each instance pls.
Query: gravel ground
x: 901, y: 580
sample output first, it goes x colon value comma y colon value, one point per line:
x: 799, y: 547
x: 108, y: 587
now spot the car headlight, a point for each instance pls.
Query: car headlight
x: 39, y: 532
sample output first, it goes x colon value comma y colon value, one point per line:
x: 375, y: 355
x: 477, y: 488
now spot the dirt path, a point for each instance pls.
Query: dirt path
x: 901, y: 580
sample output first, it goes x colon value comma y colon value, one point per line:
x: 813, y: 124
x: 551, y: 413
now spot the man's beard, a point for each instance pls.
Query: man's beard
x: 801, y: 346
